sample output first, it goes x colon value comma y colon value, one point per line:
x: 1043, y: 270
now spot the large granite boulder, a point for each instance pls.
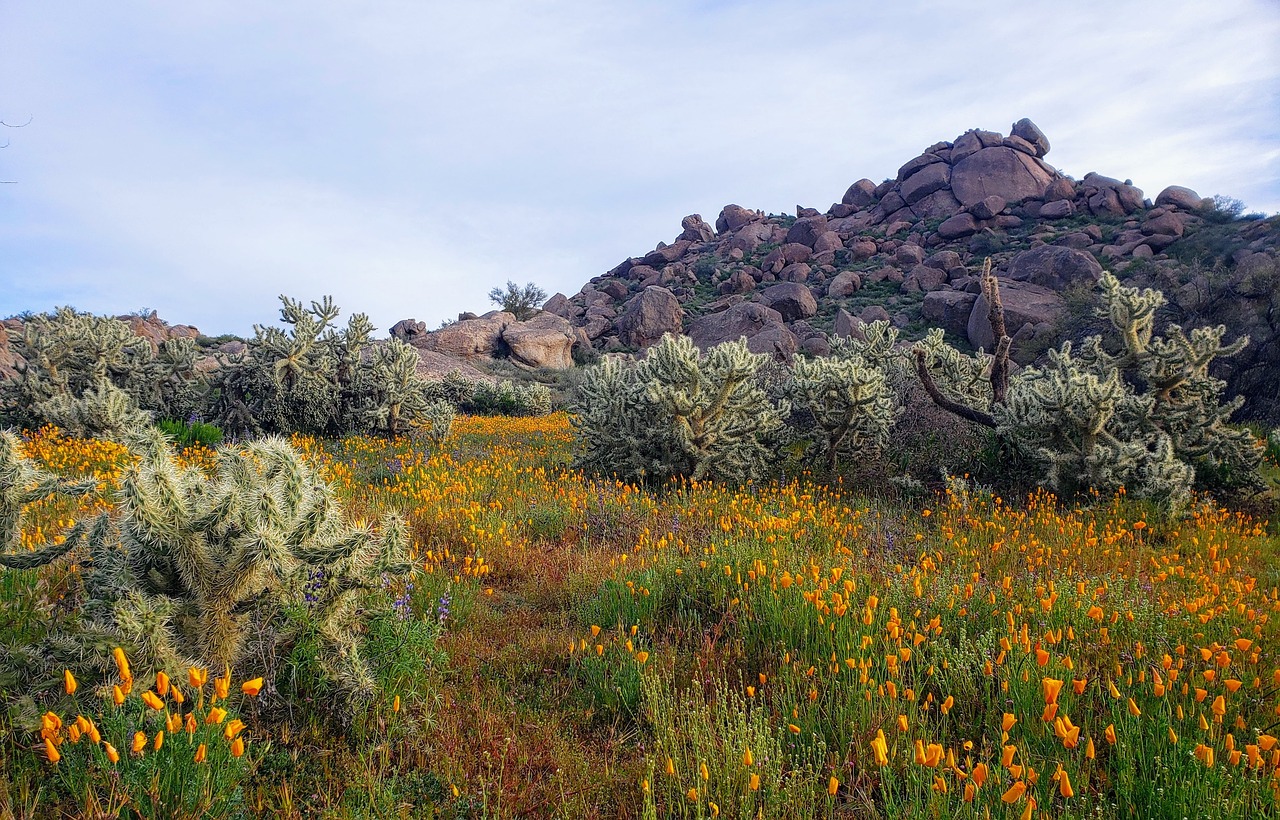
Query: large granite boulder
x: 949, y: 310
x: 742, y: 320
x: 1055, y: 267
x: 468, y: 338
x: 406, y: 330
x: 650, y: 314
x: 1179, y: 197
x: 1024, y: 304
x: 999, y: 171
x: 791, y: 299
x: 546, y: 340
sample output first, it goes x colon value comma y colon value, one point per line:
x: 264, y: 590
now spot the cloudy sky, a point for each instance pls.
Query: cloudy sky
x: 200, y: 158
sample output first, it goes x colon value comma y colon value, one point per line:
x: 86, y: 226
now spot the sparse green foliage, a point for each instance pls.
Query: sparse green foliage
x: 523, y: 302
x: 676, y: 413
x: 187, y: 433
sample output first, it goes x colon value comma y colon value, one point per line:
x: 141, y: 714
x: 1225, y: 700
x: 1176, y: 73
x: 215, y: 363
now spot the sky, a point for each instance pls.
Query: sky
x: 202, y: 158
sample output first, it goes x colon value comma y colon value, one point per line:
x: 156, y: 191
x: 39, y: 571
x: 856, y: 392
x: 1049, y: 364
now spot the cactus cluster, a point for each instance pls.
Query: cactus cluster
x: 195, y: 569
x: 92, y: 376
x: 1144, y: 414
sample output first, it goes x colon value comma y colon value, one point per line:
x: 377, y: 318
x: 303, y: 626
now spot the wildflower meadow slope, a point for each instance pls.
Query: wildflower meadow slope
x: 577, y: 647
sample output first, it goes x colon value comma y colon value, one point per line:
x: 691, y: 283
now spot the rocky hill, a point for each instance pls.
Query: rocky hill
x: 907, y: 250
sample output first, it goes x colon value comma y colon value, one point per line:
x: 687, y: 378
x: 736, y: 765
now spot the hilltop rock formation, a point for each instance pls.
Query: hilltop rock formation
x: 907, y: 250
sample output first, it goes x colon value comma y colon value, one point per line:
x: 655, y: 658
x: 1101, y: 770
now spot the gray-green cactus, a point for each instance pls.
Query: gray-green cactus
x: 436, y: 423
x: 676, y: 413
x: 194, y: 568
x: 92, y: 376
x: 849, y: 403
x: 1148, y: 416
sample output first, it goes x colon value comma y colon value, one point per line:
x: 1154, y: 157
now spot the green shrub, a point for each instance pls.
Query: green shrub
x: 188, y: 433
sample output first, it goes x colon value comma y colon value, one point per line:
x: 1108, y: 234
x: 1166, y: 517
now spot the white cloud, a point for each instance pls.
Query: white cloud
x: 406, y: 157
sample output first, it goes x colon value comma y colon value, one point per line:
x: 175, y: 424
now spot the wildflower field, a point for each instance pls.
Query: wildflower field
x: 575, y: 647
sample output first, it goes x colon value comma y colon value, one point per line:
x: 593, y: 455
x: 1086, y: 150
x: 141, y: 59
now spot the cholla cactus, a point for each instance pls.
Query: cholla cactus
x: 395, y: 393
x: 1148, y: 417
x: 436, y: 423
x: 195, y: 568
x: 1086, y: 428
x: 849, y: 402
x: 22, y: 483
x: 676, y: 413
x: 92, y: 376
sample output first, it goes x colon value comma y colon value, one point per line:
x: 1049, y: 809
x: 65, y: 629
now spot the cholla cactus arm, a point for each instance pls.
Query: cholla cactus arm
x: 1132, y: 312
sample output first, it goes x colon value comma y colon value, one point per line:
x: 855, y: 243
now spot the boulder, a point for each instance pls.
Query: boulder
x: 546, y: 340
x: 435, y: 366
x: 938, y: 205
x: 406, y: 330
x: 1023, y: 303
x: 695, y: 229
x: 741, y: 320
x: 999, y: 171
x: 923, y: 278
x: 738, y: 282
x: 863, y: 250
x: 1058, y: 209
x: 988, y: 208
x: 790, y: 299
x: 469, y: 338
x: 733, y: 217
x: 798, y: 272
x: 914, y: 165
x: 874, y: 313
x: 806, y: 230
x: 618, y: 290
x: 1025, y: 129
x: 926, y: 180
x: 1060, y: 188
x: 958, y: 226
x: 1169, y: 223
x: 828, y: 242
x: 908, y: 254
x: 843, y: 285
x: 949, y: 310
x: 649, y: 315
x: 860, y: 194
x: 560, y: 306
x: 665, y: 254
x: 1055, y: 267
x: 775, y: 340
x: 847, y: 325
x: 1131, y: 198
x: 1179, y: 197
x: 966, y: 144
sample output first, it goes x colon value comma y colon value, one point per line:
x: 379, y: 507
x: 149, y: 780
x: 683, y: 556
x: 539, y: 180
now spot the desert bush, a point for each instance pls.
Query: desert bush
x: 676, y: 413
